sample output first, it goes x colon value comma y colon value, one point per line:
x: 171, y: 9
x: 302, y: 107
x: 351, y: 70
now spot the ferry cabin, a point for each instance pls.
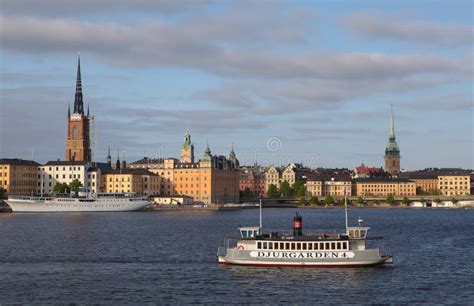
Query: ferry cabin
x: 251, y: 240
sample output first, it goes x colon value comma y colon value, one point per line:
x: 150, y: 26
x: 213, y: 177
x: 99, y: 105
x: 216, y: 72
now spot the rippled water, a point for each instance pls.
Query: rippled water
x: 169, y: 257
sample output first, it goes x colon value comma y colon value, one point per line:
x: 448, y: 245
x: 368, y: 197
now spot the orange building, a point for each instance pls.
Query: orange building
x: 253, y: 179
x: 382, y: 187
x: 212, y: 180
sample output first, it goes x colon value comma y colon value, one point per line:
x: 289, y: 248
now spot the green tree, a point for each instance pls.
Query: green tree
x: 328, y: 200
x: 454, y: 200
x: 437, y: 200
x: 359, y: 200
x: 406, y: 200
x: 285, y: 189
x: 246, y: 193
x: 390, y: 199
x: 302, y: 201
x: 299, y: 189
x: 75, y: 185
x: 314, y: 201
x: 272, y: 191
x: 61, y: 188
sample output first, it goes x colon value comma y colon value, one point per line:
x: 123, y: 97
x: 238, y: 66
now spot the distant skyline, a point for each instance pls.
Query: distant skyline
x: 282, y: 81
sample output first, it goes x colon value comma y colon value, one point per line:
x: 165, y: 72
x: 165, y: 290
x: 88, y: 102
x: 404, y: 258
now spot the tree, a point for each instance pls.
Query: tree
x: 359, y: 200
x: 75, y: 185
x: 406, y: 200
x: 285, y: 189
x: 272, y: 191
x: 246, y: 193
x: 390, y: 199
x: 61, y: 188
x: 302, y: 201
x: 2, y: 193
x: 454, y: 200
x: 314, y: 201
x: 437, y: 200
x: 328, y: 200
x: 299, y: 189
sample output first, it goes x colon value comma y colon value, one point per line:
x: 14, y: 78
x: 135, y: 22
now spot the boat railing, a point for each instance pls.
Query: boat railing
x: 221, y: 251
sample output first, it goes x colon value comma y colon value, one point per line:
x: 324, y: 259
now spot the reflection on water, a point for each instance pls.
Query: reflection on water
x: 170, y: 257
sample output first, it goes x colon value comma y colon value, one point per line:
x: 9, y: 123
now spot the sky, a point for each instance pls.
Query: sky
x: 280, y: 81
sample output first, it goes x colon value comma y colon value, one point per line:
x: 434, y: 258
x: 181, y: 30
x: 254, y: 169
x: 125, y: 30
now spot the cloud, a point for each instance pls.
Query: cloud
x: 198, y: 44
x: 454, y: 101
x: 377, y: 27
x: 75, y: 8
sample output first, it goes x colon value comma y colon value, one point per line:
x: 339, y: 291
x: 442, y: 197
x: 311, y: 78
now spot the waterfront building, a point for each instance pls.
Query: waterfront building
x: 452, y: 182
x: 335, y: 185
x: 139, y: 181
x: 272, y: 177
x: 54, y: 172
x: 252, y: 178
x: 363, y: 171
x: 426, y: 180
x: 18, y: 176
x: 211, y: 180
x: 383, y: 186
x: 78, y: 146
x: 173, y: 200
x: 392, y: 151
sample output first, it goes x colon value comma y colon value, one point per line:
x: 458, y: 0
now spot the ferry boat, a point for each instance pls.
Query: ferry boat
x: 102, y: 202
x: 317, y: 249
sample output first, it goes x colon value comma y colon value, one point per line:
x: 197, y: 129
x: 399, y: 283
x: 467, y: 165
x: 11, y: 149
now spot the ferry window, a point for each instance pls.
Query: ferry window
x: 357, y: 234
x: 304, y: 246
x: 338, y: 245
x: 259, y: 245
x: 351, y: 233
x: 244, y: 234
x: 333, y: 245
x: 328, y: 246
x: 282, y: 246
x: 362, y: 233
x: 270, y: 246
x: 287, y: 247
x: 293, y: 246
x: 344, y: 245
x: 321, y: 246
x: 265, y: 245
x: 298, y: 246
x: 275, y: 245
x: 310, y: 246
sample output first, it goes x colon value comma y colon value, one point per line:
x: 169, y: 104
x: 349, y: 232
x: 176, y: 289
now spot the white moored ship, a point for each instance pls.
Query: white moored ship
x: 316, y: 249
x: 102, y: 202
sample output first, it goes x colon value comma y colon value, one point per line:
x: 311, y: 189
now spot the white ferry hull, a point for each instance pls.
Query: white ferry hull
x: 29, y: 206
x: 357, y: 259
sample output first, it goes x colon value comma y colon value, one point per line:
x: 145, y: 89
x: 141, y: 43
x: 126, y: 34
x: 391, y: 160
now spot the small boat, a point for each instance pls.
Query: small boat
x: 316, y: 249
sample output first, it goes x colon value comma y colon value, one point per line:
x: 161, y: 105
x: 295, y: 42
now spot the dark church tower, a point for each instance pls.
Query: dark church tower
x: 78, y: 147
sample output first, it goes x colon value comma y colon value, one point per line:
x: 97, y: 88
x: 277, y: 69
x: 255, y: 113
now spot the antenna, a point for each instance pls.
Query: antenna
x: 345, y: 210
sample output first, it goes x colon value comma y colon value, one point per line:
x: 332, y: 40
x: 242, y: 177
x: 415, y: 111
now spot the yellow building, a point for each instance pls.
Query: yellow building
x: 382, y: 187
x: 455, y: 183
x: 18, y: 176
x: 140, y: 181
x: 272, y: 177
x: 335, y: 186
x: 212, y: 180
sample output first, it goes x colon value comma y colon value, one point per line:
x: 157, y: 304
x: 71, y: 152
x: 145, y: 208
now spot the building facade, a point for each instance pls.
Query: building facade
x: 338, y: 185
x: 382, y: 187
x: 139, y: 181
x: 18, y: 176
x: 212, y: 180
x: 78, y: 146
x: 392, y: 151
x: 272, y: 177
x: 455, y: 183
x: 54, y: 172
x: 252, y: 178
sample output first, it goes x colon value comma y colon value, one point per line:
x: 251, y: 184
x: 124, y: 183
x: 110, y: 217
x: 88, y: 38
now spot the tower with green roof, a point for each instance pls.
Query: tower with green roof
x: 187, y: 149
x: 392, y: 152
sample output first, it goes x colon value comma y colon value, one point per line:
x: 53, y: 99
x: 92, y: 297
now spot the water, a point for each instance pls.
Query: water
x: 169, y: 257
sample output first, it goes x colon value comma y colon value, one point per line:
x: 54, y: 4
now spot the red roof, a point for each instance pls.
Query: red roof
x: 366, y: 170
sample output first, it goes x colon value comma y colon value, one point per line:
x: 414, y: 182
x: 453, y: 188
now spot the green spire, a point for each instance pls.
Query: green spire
x: 207, y: 154
x: 187, y: 140
x: 392, y: 147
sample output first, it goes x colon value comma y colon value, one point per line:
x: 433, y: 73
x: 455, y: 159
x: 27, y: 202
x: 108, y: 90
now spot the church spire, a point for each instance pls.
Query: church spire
x: 392, y: 125
x: 78, y: 103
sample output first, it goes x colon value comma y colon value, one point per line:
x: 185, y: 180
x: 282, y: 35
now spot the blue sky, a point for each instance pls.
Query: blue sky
x: 306, y: 81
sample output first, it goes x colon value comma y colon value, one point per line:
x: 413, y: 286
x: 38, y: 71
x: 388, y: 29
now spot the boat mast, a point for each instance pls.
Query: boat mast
x: 260, y: 209
x: 345, y: 210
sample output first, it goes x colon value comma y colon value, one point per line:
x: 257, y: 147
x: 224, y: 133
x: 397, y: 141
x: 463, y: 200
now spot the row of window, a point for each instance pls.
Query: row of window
x: 302, y: 246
